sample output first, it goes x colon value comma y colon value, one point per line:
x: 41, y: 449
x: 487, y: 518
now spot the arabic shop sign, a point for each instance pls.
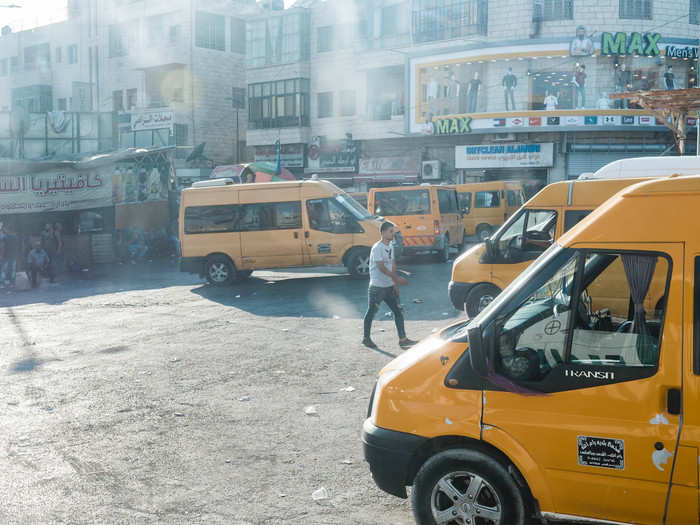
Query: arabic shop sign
x: 453, y: 126
x: 55, y: 191
x: 149, y: 120
x: 646, y: 44
x: 504, y: 156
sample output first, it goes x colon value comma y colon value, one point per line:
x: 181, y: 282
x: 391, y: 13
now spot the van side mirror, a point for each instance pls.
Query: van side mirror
x: 477, y: 351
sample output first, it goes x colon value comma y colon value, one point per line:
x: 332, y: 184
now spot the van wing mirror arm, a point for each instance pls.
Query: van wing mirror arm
x: 477, y: 351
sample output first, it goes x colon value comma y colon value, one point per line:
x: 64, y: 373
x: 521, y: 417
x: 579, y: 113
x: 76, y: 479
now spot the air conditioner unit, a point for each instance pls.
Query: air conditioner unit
x: 430, y: 170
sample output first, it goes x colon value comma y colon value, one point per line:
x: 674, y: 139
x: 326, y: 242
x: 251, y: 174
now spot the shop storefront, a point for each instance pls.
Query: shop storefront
x: 291, y: 156
x: 334, y: 160
x: 92, y: 200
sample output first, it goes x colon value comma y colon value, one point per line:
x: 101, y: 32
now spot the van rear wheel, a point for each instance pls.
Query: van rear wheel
x: 466, y: 487
x: 444, y: 254
x: 220, y: 271
x: 483, y: 232
x: 480, y: 297
x: 358, y: 263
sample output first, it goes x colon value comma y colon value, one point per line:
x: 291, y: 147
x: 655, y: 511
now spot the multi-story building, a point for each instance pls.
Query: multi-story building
x: 377, y: 91
x: 174, y: 70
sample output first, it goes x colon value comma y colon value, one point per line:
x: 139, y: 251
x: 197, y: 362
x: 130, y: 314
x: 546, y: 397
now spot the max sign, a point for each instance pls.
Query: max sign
x: 634, y: 44
x: 453, y: 126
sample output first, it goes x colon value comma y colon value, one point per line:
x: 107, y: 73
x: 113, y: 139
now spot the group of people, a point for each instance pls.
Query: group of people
x: 44, y: 258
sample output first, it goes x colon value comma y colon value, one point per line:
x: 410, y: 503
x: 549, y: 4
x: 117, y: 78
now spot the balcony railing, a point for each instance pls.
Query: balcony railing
x: 456, y: 19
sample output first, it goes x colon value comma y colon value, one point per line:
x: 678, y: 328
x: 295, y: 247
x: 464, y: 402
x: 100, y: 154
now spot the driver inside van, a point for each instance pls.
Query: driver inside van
x: 318, y: 216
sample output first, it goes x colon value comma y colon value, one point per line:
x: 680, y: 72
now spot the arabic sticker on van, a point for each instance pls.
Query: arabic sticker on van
x: 601, y: 452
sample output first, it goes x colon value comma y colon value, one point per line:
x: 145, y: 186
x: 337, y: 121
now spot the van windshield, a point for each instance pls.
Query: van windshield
x: 529, y: 233
x: 354, y: 207
x: 408, y: 202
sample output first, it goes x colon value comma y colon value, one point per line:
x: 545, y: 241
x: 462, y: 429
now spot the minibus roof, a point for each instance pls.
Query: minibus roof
x: 268, y: 186
x: 579, y: 193
x: 647, y: 167
x: 659, y: 210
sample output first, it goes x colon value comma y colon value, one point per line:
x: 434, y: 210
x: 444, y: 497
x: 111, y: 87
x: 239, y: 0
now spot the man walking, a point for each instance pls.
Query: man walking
x: 8, y: 268
x: 383, y: 286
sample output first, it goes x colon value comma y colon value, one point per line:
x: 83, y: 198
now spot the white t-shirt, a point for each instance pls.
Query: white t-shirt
x: 381, y: 253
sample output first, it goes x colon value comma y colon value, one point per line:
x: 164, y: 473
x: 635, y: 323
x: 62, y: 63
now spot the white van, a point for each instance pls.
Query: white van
x: 649, y: 166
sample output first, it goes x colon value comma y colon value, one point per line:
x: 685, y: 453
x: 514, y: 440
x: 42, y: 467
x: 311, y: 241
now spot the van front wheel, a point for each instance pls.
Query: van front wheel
x: 480, y: 297
x: 220, y: 271
x: 358, y: 264
x: 466, y: 486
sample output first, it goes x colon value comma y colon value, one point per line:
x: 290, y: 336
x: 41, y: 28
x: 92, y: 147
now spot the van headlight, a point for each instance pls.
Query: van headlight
x: 383, y: 380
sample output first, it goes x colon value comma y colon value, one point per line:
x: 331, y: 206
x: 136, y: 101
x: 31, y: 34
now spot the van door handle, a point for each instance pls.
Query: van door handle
x: 407, y: 227
x: 296, y: 235
x: 673, y: 401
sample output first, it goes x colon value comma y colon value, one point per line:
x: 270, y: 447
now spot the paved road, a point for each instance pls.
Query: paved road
x: 145, y: 396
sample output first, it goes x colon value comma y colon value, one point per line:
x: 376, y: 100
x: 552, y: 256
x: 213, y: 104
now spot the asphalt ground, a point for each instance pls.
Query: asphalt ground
x: 138, y: 394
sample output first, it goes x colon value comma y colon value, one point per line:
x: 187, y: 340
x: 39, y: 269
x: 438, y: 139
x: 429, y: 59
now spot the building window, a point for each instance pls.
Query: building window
x: 131, y: 99
x: 280, y: 104
x: 3, y: 67
x: 385, y: 93
x: 391, y: 18
x: 155, y: 29
x: 210, y: 31
x: 277, y: 40
x: 324, y: 39
x: 118, y: 41
x: 14, y: 64
x: 447, y: 19
x: 37, y: 57
x: 694, y: 12
x: 635, y: 9
x: 59, y: 55
x: 325, y: 104
x: 73, y: 54
x: 118, y: 100
x: 347, y: 103
x: 61, y: 103
x: 238, y: 36
x: 549, y: 10
x: 173, y: 34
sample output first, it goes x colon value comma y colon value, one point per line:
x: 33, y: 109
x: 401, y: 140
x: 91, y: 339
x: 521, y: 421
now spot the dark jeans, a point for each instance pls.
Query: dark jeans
x: 375, y: 296
x: 35, y: 271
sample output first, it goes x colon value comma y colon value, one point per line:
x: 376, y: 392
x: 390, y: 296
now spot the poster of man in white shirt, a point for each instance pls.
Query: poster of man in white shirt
x: 581, y: 45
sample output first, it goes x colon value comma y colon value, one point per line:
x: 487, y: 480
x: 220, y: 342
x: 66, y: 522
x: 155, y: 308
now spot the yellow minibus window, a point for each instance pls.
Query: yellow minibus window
x: 465, y: 201
x: 408, y: 202
x: 487, y: 199
x: 573, y: 217
x: 211, y: 219
x: 511, y: 198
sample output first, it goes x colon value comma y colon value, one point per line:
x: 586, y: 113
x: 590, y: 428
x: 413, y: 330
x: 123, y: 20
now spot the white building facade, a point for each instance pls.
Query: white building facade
x: 474, y: 89
x: 173, y: 71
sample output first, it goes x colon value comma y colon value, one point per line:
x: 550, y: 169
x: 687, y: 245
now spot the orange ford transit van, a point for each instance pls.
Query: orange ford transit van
x: 487, y: 205
x: 427, y: 217
x: 479, y: 274
x: 544, y: 406
x: 228, y: 230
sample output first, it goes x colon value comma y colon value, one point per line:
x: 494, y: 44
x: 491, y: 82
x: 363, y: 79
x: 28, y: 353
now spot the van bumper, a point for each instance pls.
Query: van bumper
x: 422, y: 243
x: 192, y: 265
x: 389, y: 454
x: 458, y: 293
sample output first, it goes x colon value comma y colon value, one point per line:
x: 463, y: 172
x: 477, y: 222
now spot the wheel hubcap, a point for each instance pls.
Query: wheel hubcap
x: 363, y: 265
x: 484, y: 301
x: 218, y: 272
x: 464, y: 498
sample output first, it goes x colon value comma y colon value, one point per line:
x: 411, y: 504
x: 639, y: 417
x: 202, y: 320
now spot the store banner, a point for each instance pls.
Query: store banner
x: 149, y: 120
x: 539, y: 155
x: 62, y: 190
x: 401, y: 168
x: 132, y: 182
x: 291, y: 155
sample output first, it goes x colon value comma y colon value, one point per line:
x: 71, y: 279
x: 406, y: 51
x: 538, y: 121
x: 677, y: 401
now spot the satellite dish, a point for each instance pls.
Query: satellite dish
x: 197, y: 152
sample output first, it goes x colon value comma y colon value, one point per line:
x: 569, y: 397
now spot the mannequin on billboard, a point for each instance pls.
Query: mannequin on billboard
x: 622, y: 82
x: 510, y: 82
x: 474, y: 88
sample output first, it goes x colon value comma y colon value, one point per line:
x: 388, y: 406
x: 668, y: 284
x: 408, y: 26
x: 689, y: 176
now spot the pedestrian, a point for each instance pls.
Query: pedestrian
x: 384, y: 286
x: 8, y: 268
x: 59, y: 261
x: 38, y: 263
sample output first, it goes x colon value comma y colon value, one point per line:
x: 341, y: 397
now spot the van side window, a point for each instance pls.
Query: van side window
x: 465, y: 201
x: 211, y: 219
x: 600, y: 311
x: 271, y: 216
x: 487, y: 199
x: 329, y: 216
x: 511, y: 198
x: 446, y: 201
x: 529, y: 234
x: 573, y: 217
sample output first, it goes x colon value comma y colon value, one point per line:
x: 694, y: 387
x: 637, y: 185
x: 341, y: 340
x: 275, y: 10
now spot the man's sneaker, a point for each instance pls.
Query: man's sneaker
x: 407, y: 343
x: 368, y: 343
